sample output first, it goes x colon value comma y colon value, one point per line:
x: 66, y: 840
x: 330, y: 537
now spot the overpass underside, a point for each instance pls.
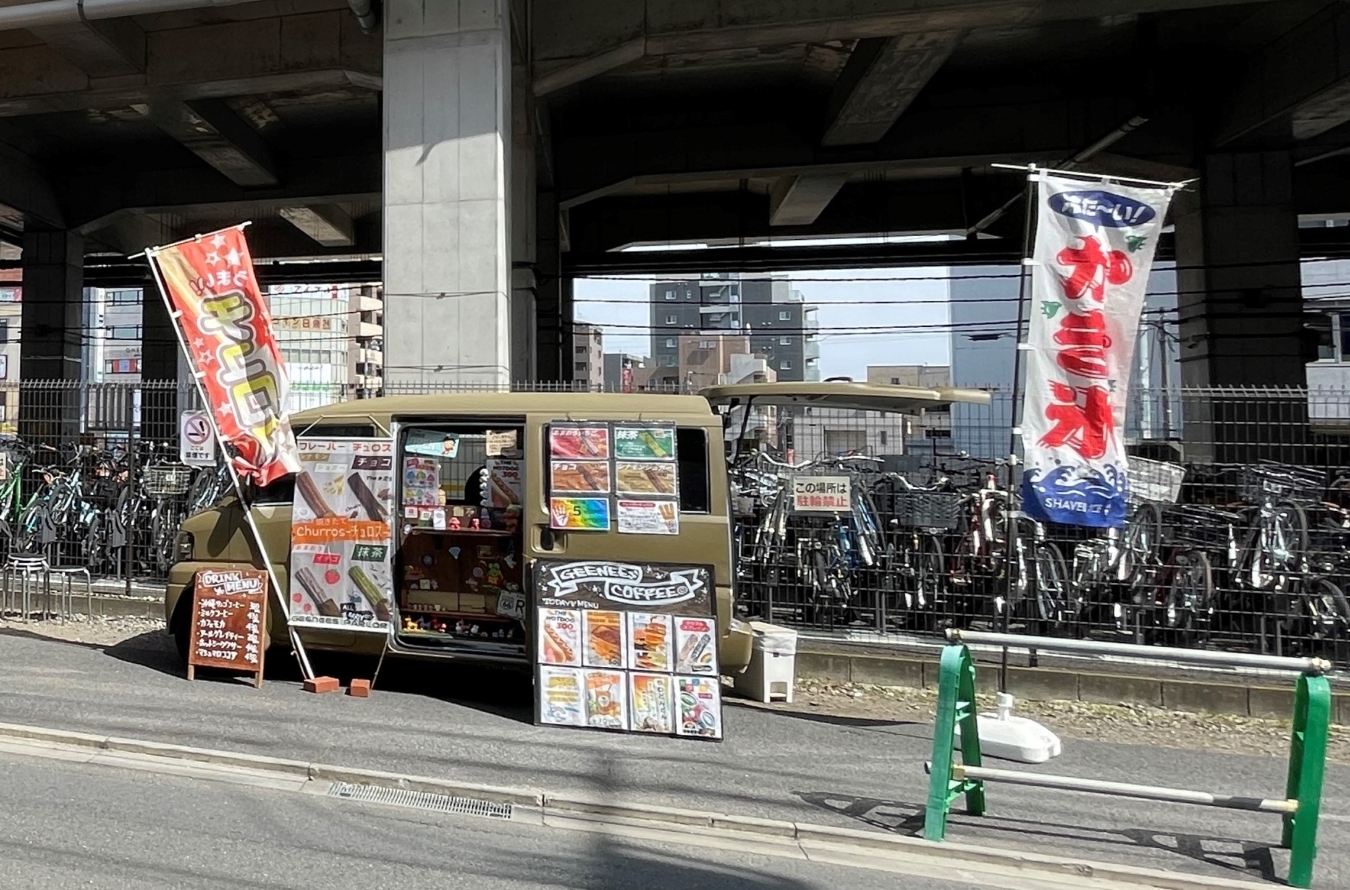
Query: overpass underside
x: 477, y: 155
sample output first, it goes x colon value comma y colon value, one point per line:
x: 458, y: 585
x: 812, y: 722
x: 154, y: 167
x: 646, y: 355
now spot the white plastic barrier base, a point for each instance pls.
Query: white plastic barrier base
x: 1018, y: 739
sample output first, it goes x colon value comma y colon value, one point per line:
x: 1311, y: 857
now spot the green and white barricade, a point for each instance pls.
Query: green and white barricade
x: 951, y: 778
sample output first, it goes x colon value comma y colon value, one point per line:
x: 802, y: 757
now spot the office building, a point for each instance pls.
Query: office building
x: 588, y: 357
x: 780, y: 325
x: 625, y: 372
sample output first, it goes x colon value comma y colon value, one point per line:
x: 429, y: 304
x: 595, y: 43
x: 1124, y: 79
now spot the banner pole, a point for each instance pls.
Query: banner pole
x: 1010, y: 531
x: 1031, y: 169
x: 174, y: 315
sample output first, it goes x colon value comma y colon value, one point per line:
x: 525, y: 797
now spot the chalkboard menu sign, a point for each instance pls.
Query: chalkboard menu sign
x: 229, y: 622
x: 627, y: 646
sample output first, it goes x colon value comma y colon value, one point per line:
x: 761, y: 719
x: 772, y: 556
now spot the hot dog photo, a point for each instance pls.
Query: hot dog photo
x: 559, y: 637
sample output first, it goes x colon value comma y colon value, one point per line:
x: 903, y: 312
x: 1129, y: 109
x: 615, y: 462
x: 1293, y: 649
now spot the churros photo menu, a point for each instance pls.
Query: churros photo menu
x: 635, y: 644
x: 340, y: 534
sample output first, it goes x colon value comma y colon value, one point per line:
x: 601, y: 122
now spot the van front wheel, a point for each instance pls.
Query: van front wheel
x: 181, y: 626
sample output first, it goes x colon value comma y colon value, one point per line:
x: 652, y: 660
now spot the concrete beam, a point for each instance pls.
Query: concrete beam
x: 1299, y: 87
x: 109, y: 48
x: 327, y: 224
x: 571, y: 35
x: 882, y: 77
x: 97, y: 197
x: 859, y: 209
x: 303, y: 51
x: 213, y: 132
x: 27, y: 190
x: 593, y: 162
x: 799, y: 200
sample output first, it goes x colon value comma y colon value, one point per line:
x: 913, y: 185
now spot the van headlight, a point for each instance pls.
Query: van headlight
x: 182, y: 546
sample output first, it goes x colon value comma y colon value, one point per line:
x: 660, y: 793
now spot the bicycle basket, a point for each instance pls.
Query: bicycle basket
x: 1204, y: 528
x: 928, y: 509
x: 1155, y: 481
x: 1278, y: 482
x: 167, y: 481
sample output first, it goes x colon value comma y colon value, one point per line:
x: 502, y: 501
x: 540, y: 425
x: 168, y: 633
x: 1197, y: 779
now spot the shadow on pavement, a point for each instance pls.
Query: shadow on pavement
x: 1255, y: 859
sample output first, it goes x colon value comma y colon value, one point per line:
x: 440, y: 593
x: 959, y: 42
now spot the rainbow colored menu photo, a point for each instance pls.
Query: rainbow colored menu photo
x: 579, y: 514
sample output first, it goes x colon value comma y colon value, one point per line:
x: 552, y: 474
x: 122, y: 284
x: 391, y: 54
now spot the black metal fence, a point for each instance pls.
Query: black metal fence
x: 1240, y: 535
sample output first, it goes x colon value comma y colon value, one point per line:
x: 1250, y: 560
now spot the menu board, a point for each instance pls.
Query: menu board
x: 340, y: 534
x: 229, y: 621
x: 603, y: 474
x: 627, y: 647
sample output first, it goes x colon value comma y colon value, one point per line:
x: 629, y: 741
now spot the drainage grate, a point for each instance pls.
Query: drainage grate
x: 420, y: 800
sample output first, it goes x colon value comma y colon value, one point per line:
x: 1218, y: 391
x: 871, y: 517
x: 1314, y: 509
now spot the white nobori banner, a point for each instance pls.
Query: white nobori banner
x: 1094, y: 250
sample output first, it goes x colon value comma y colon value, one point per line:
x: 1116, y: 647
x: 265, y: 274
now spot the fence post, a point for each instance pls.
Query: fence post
x: 128, y: 552
x: 956, y: 704
x: 1307, y: 768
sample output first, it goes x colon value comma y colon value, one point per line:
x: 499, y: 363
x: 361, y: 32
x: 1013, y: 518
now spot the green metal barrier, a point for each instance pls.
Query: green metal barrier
x: 950, y: 779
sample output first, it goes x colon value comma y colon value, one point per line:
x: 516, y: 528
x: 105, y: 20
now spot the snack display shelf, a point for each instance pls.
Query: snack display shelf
x: 471, y: 532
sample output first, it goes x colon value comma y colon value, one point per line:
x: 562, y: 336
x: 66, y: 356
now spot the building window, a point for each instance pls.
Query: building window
x: 707, y: 344
x: 124, y: 332
x: 784, y: 341
x: 785, y: 315
x: 671, y: 343
x: 785, y: 365
x: 881, y: 438
x: 672, y: 319
x: 581, y: 366
x: 582, y: 350
x: 668, y: 361
x: 124, y: 297
x: 670, y: 294
x: 4, y: 331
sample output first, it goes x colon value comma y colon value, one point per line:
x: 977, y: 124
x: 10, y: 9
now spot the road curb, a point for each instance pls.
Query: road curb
x: 670, y: 819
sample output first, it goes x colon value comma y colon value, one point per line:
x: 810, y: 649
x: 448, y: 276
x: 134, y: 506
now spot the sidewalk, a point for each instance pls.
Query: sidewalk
x: 849, y: 772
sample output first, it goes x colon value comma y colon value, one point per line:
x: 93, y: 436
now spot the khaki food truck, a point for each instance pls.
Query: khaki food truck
x: 420, y: 523
x: 452, y: 527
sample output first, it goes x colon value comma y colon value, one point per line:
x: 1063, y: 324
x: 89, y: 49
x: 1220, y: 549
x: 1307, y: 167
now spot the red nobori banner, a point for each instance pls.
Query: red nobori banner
x: 209, y: 284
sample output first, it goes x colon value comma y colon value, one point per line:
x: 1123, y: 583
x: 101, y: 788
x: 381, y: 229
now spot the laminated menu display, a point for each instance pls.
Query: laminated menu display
x: 696, y: 646
x: 562, y: 701
x: 602, y: 474
x: 637, y: 631
x: 652, y: 702
x: 604, y: 639
x: 559, y: 636
x: 606, y: 699
x: 700, y: 703
x: 340, y: 534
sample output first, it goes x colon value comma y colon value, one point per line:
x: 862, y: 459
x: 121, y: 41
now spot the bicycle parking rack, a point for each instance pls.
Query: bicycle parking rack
x: 1299, y: 808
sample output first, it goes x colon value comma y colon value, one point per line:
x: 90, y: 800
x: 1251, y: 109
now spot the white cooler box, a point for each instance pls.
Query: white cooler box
x: 773, y: 664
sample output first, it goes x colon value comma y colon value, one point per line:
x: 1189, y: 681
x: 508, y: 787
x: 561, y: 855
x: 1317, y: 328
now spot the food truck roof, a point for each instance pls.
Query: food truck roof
x: 561, y: 404
x: 845, y: 394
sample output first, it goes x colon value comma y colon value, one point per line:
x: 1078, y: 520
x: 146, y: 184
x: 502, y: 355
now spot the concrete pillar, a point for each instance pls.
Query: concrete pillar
x: 1241, y: 300
x: 53, y: 305
x: 51, y: 341
x: 447, y: 182
x: 550, y: 361
x: 161, y: 360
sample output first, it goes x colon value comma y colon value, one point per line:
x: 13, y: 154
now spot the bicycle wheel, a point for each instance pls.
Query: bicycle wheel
x: 1052, y: 599
x: 1143, y: 543
x: 930, y: 576
x: 1190, y: 597
x: 1328, y: 609
x: 163, y: 529
x: 93, y: 543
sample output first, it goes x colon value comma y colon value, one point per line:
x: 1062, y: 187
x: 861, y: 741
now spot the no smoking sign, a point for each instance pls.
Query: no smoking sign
x: 196, y: 444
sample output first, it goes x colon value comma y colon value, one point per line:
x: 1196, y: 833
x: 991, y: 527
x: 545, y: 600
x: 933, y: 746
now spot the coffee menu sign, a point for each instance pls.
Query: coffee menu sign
x: 229, y: 622
x: 627, y: 646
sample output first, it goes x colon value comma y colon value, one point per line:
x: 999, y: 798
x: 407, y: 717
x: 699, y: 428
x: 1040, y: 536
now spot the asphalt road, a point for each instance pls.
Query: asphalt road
x: 71, y: 825
x: 476, y: 727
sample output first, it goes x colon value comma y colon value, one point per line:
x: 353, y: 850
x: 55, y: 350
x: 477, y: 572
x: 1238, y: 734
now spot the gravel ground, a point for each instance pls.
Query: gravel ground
x: 1125, y: 724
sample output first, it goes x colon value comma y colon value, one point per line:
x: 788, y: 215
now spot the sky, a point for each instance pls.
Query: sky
x: 859, y: 304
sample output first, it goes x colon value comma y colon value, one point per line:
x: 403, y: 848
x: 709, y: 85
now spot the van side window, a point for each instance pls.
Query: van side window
x: 691, y: 449
x: 281, y: 491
